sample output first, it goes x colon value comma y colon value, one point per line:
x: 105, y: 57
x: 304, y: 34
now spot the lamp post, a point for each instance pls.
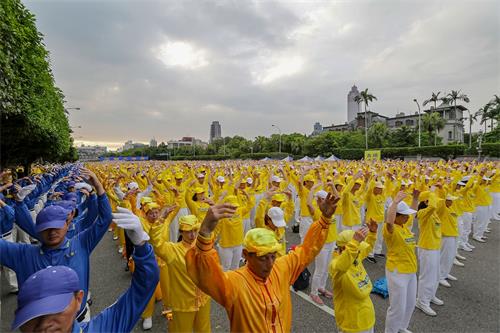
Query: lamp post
x: 479, y: 141
x: 279, y: 131
x: 418, y: 105
x: 470, y: 129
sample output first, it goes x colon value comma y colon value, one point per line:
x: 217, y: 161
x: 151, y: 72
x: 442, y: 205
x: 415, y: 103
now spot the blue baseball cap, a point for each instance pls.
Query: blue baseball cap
x: 66, y: 204
x: 45, y: 292
x: 72, y: 196
x: 51, y: 217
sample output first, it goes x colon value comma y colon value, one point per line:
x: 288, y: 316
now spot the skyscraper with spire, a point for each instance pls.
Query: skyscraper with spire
x: 352, y: 105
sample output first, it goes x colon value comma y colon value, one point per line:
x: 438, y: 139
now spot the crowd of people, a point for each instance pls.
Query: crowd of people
x: 194, y: 231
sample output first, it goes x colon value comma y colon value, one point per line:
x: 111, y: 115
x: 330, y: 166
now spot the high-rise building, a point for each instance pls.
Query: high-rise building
x: 215, y: 131
x: 352, y: 105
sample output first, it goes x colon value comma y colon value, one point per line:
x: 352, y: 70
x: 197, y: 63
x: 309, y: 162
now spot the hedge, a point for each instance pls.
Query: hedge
x: 445, y: 152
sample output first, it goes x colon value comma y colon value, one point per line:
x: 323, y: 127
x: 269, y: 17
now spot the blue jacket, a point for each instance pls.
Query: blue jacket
x: 6, y: 219
x: 79, y: 224
x: 26, y: 259
x: 124, y: 314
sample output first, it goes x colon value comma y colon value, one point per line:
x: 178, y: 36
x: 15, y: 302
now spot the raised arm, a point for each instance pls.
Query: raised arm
x: 126, y: 311
x: 202, y: 260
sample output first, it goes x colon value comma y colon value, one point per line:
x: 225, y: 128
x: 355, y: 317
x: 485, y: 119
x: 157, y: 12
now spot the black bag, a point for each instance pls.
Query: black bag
x: 295, y: 228
x: 302, y: 281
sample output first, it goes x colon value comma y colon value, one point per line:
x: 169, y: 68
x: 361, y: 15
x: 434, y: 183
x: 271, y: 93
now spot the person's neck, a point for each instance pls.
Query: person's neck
x: 53, y: 247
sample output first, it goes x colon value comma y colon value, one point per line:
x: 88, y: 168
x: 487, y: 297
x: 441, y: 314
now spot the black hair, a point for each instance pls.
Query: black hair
x: 179, y: 238
x: 194, y: 197
x: 422, y: 205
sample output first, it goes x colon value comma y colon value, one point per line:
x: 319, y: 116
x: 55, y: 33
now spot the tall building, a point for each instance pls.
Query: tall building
x: 215, y: 131
x: 352, y: 105
x: 317, y: 129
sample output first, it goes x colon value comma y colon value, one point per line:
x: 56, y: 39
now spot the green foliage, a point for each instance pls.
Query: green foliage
x: 34, y: 124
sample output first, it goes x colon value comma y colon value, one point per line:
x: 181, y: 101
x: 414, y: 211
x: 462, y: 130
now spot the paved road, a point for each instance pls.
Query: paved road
x: 471, y: 305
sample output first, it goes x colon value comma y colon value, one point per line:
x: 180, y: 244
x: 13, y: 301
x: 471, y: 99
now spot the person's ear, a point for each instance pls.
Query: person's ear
x: 245, y: 254
x: 79, y: 298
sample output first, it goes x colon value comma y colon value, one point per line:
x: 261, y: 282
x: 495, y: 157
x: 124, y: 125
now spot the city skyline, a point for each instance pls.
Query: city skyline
x: 167, y: 69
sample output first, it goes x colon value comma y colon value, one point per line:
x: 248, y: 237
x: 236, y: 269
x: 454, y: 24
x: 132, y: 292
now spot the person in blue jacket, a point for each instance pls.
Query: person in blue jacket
x: 6, y: 225
x: 52, y: 297
x: 56, y: 249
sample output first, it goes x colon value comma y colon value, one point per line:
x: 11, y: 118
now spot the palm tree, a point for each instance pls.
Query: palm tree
x: 434, y: 98
x: 366, y: 98
x: 453, y: 97
x: 484, y: 112
x: 472, y: 118
x: 433, y: 122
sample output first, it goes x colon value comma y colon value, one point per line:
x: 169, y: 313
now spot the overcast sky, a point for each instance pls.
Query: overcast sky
x: 167, y: 69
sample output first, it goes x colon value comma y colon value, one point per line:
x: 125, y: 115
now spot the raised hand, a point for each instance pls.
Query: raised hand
x: 328, y: 205
x: 372, y: 225
x: 214, y: 214
x: 360, y: 234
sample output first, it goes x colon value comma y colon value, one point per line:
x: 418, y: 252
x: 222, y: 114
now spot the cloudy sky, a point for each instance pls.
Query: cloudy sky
x: 167, y: 69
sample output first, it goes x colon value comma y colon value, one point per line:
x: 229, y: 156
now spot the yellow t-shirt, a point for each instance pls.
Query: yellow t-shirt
x: 400, y: 249
x: 430, y: 226
x: 354, y: 310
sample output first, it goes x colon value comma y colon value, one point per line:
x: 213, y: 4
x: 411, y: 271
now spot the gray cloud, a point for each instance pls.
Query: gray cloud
x: 260, y: 62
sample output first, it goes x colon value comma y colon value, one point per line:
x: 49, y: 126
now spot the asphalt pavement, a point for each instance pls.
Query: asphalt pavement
x: 472, y: 304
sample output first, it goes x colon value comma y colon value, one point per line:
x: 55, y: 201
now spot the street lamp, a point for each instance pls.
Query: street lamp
x: 470, y: 129
x: 418, y: 105
x: 279, y: 131
x: 479, y: 141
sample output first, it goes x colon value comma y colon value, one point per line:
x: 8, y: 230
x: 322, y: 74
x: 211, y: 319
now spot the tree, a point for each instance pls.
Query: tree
x: 404, y: 136
x: 432, y: 122
x: 365, y: 97
x: 34, y: 124
x: 378, y: 134
x: 434, y: 98
x: 453, y: 97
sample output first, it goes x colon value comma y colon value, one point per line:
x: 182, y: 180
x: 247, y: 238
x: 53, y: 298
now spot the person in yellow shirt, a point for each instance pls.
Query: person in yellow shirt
x: 190, y: 306
x: 429, y: 246
x: 401, y: 264
x: 272, y: 199
x: 230, y: 232
x: 274, y: 220
x: 353, y: 307
x: 305, y: 184
x: 197, y: 201
x: 449, y: 231
x: 495, y: 193
x: 351, y: 204
x: 375, y: 208
x: 256, y: 296
x: 179, y: 190
x: 463, y: 191
x: 320, y: 275
x: 483, y: 201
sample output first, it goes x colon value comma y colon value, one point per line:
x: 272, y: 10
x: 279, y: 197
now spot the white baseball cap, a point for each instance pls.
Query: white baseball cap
x: 133, y: 186
x: 277, y: 217
x: 200, y: 175
x: 221, y: 179
x: 404, y: 209
x: 321, y: 194
x: 276, y: 179
x: 249, y: 181
x: 461, y: 183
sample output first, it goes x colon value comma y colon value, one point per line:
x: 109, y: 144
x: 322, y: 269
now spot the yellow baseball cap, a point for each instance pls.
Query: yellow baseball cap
x: 199, y: 190
x: 233, y: 200
x: 344, y: 237
x: 309, y: 178
x: 151, y: 205
x: 261, y: 241
x: 188, y: 223
x: 179, y: 175
x: 146, y: 200
x: 278, y: 197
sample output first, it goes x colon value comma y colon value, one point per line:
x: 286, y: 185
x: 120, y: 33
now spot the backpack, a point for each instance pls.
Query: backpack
x: 302, y: 281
